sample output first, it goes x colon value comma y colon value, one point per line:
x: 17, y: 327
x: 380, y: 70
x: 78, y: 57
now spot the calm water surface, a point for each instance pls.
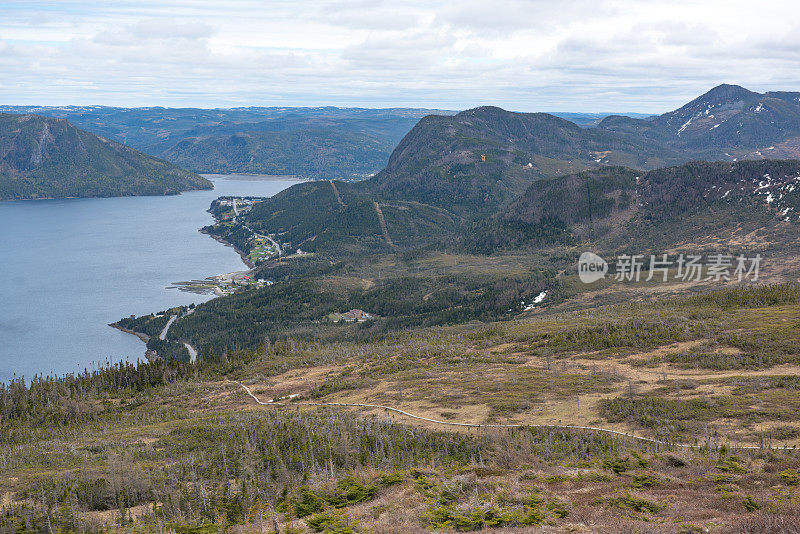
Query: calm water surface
x: 70, y: 267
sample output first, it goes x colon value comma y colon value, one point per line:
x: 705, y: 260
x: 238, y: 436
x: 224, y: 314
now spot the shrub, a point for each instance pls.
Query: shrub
x: 750, y: 504
x: 617, y: 465
x: 674, y: 461
x: 731, y: 465
x: 790, y: 476
x: 350, y: 491
x: 645, y: 481
x: 481, y: 517
x: 329, y: 524
x: 390, y: 479
x: 308, y: 503
x: 629, y: 502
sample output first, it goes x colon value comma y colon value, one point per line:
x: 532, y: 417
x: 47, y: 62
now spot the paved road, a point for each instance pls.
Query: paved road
x: 163, y: 335
x: 192, y: 352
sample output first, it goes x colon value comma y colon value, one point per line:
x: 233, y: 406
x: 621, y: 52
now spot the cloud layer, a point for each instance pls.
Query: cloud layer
x: 601, y: 55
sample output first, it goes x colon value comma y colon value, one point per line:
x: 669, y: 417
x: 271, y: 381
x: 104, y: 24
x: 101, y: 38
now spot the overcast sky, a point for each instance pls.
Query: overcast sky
x: 550, y: 55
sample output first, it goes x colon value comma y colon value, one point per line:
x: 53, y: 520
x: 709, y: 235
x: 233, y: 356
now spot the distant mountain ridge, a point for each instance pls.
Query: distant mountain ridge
x: 485, y: 167
x: 728, y: 122
x: 42, y: 157
x: 312, y: 142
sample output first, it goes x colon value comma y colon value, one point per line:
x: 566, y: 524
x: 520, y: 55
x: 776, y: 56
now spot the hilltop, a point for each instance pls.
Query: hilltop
x: 479, y: 159
x: 728, y: 122
x: 50, y: 158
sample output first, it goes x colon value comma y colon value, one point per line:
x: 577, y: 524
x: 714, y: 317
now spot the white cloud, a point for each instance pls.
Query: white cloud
x: 601, y: 55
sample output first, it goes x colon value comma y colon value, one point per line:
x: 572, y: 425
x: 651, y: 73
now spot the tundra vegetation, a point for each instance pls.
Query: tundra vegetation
x: 179, y: 447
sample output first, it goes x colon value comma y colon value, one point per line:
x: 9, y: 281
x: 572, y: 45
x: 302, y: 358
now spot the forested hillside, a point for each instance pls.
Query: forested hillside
x: 699, y: 202
x: 50, y: 158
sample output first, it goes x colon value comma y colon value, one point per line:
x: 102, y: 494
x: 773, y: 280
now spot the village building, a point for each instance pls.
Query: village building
x: 352, y: 316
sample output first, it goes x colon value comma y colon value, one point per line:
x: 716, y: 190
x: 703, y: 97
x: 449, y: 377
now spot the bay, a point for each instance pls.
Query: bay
x: 69, y: 267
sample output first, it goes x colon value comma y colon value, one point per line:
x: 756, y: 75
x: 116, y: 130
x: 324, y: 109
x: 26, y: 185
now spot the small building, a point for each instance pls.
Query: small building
x: 353, y: 316
x: 356, y: 316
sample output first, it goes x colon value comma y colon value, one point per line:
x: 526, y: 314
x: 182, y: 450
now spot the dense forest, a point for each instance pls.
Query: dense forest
x: 50, y: 158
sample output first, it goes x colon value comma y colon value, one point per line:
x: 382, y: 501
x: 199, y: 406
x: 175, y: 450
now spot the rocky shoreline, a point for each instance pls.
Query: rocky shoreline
x: 244, y: 256
x: 149, y: 354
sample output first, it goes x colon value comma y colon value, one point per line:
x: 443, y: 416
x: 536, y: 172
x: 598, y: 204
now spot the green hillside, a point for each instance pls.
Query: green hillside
x: 313, y: 148
x: 50, y: 158
x: 698, y: 202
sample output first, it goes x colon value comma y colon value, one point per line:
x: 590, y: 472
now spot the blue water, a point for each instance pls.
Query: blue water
x: 70, y: 267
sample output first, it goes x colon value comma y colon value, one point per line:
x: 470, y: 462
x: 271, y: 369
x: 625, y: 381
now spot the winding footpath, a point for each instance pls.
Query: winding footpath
x: 498, y: 425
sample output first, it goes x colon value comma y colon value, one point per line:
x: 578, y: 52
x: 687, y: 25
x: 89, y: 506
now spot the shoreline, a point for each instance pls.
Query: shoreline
x: 80, y: 197
x: 245, y: 258
x: 254, y: 177
x: 142, y: 336
x: 148, y: 354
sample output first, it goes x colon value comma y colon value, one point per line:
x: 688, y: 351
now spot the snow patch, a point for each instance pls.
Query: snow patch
x: 536, y: 300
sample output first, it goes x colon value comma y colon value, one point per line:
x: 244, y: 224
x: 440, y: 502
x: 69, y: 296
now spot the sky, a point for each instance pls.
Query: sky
x: 524, y: 55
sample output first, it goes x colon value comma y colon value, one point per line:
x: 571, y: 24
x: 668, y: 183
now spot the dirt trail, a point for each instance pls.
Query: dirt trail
x: 382, y: 221
x: 336, y: 193
x: 488, y: 425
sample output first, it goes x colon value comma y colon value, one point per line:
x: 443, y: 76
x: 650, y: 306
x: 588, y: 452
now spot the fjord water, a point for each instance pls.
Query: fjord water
x: 70, y: 267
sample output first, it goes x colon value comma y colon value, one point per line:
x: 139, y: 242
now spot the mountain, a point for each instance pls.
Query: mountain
x: 728, y: 122
x: 309, y: 147
x: 446, y: 170
x: 319, y: 142
x: 479, y: 159
x: 43, y: 157
x: 701, y: 203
